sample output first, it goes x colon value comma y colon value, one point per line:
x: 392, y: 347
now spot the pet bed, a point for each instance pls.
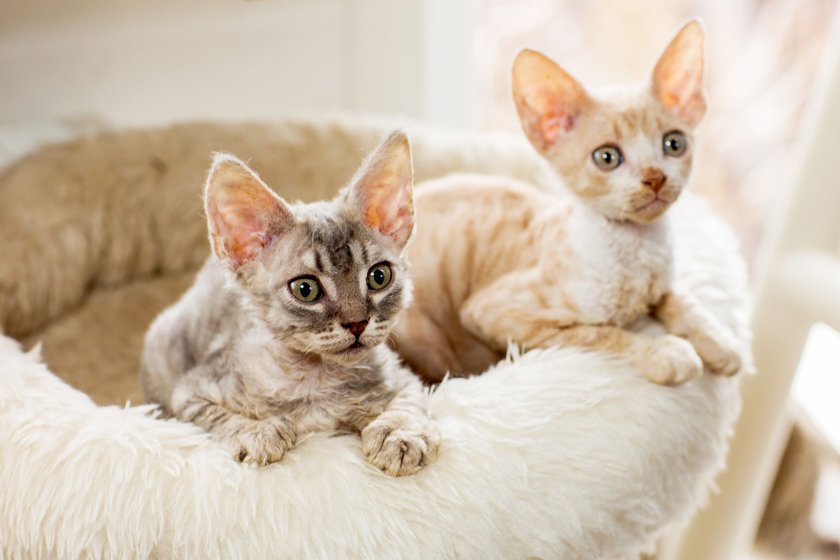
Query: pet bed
x: 551, y: 454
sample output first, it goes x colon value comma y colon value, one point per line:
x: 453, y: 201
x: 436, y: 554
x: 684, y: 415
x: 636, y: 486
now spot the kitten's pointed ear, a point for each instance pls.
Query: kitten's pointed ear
x: 381, y: 194
x: 678, y: 75
x: 547, y: 98
x: 243, y: 215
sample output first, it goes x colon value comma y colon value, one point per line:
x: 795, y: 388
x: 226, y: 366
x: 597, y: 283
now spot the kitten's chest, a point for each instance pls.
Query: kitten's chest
x: 319, y: 397
x: 624, y: 270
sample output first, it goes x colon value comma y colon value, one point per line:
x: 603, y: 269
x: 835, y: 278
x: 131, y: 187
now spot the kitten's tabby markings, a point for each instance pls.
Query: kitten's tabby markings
x: 281, y: 333
x: 497, y: 260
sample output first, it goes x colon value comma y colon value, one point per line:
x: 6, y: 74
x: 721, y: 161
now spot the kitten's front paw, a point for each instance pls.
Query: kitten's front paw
x: 672, y: 360
x: 260, y: 442
x: 399, y: 443
x: 719, y: 352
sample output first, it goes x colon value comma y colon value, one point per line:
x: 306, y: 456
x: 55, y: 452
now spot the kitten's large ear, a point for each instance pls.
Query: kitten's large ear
x: 243, y: 215
x: 678, y: 75
x: 547, y: 98
x: 381, y: 194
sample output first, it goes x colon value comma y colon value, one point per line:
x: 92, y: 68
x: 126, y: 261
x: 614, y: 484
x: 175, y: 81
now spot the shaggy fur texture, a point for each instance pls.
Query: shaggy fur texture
x: 560, y: 454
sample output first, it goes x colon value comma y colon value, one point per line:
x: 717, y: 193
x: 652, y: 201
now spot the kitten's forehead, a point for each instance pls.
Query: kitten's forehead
x: 631, y: 116
x: 332, y: 240
x: 328, y: 243
x: 634, y: 111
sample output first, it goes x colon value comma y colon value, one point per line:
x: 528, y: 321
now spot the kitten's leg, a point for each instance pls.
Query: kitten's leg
x: 404, y: 438
x: 511, y: 309
x: 663, y: 359
x: 254, y: 440
x: 514, y: 307
x: 422, y: 345
x: 684, y: 316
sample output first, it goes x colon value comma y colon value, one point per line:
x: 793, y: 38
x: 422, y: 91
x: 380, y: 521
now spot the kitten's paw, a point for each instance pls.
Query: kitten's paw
x: 672, y: 360
x: 719, y: 352
x: 260, y: 442
x: 400, y: 444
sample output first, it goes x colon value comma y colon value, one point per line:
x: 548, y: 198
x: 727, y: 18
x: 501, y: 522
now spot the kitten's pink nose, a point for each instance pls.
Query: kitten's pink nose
x: 357, y: 328
x: 653, y: 179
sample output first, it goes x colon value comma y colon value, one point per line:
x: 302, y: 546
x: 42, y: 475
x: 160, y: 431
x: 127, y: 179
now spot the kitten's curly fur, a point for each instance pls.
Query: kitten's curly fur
x: 499, y: 260
x: 257, y: 366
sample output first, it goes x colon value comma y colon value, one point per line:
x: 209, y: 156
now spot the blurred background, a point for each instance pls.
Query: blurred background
x: 79, y: 66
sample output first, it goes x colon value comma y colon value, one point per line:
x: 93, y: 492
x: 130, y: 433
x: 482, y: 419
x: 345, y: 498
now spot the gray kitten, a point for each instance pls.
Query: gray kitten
x: 282, y: 332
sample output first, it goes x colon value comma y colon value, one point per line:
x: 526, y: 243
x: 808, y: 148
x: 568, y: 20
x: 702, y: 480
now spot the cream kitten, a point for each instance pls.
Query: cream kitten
x: 496, y: 260
x: 281, y: 334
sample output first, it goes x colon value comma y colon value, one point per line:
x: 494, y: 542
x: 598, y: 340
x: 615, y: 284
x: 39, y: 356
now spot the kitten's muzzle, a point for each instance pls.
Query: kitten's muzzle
x: 356, y: 328
x: 654, y: 179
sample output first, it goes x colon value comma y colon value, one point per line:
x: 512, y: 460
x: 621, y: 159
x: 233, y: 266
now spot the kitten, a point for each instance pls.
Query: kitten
x: 497, y: 260
x: 281, y: 333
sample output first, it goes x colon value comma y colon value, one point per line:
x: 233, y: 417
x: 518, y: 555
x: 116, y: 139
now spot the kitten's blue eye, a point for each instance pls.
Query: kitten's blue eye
x: 305, y: 289
x: 674, y: 143
x: 607, y: 158
x: 379, y: 276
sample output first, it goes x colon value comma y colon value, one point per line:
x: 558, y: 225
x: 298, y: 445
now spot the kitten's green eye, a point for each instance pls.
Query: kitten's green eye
x: 305, y: 289
x: 607, y: 158
x: 379, y: 276
x: 674, y: 143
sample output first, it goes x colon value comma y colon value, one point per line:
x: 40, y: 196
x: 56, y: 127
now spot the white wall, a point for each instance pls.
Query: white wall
x: 153, y: 61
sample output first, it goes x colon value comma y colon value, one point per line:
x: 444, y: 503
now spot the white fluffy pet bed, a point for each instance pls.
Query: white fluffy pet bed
x: 554, y: 454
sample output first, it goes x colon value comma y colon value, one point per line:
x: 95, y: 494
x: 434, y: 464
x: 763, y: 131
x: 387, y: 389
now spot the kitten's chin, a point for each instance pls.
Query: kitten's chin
x: 350, y: 355
x: 650, y: 212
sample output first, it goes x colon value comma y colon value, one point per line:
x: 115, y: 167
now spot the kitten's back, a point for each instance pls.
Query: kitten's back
x: 470, y: 232
x: 182, y: 334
